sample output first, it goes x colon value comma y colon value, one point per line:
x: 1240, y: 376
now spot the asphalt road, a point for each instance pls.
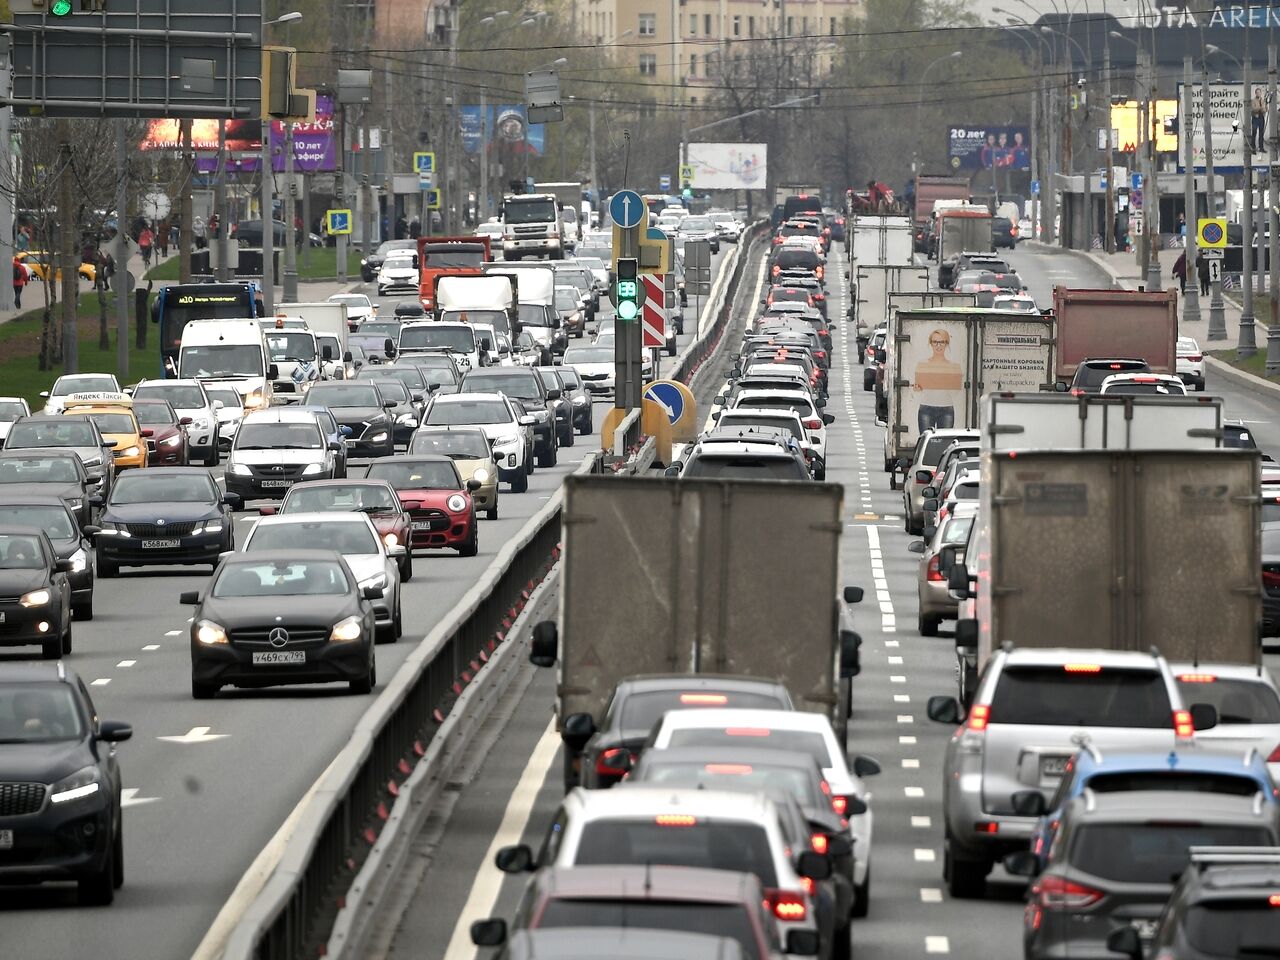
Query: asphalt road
x: 208, y: 784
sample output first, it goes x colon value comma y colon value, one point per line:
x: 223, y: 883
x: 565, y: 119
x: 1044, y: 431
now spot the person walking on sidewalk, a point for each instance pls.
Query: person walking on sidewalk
x: 145, y: 240
x: 162, y: 235
x: 1180, y: 271
x: 1202, y: 271
x: 19, y: 281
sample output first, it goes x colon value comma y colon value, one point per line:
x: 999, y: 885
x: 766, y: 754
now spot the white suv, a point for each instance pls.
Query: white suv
x: 189, y: 399
x: 507, y: 426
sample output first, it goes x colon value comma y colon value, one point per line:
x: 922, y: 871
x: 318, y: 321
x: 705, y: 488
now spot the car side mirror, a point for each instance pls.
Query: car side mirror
x: 1060, y: 387
x: 389, y: 347
x: 929, y: 491
x: 915, y: 546
x: 839, y: 846
x: 184, y: 422
x: 930, y: 505
x: 528, y: 421
x: 1024, y: 863
x: 544, y: 650
x: 577, y: 730
x: 853, y: 594
x: 553, y: 394
x: 828, y: 418
x: 417, y: 397
x: 673, y: 470
x: 814, y: 865
x: 62, y: 565
x: 1204, y: 716
x: 45, y: 394
x: 388, y: 404
x: 924, y: 476
x: 486, y: 344
x: 273, y: 372
x: 1029, y: 803
x: 326, y: 352
x: 881, y: 357
x: 929, y: 529
x: 111, y: 444
x: 146, y: 432
x: 189, y: 598
x: 345, y: 430
x: 396, y: 550
x: 514, y: 859
x: 850, y: 654
x: 97, y: 499
x: 491, y: 932
x: 346, y: 357
x: 372, y: 593
x: 865, y: 766
x: 233, y: 500
x: 958, y: 579
x: 114, y: 731
x: 473, y: 484
x: 1125, y: 940
x: 967, y: 632
x: 944, y: 709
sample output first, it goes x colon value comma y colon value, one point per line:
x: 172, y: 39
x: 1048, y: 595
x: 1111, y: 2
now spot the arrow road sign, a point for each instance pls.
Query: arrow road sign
x: 626, y: 209
x: 196, y: 735
x: 671, y: 399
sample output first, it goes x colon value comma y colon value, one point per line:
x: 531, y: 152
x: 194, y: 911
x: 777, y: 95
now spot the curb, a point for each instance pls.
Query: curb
x: 1246, y: 380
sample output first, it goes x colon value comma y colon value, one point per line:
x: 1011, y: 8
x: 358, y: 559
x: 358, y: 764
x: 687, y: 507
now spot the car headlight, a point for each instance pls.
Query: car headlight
x: 254, y: 400
x: 311, y: 469
x: 209, y: 526
x: 481, y: 475
x: 115, y: 529
x: 457, y: 503
x: 505, y: 441
x: 36, y: 598
x: 209, y: 632
x: 239, y: 469
x: 83, y: 783
x: 200, y: 423
x: 127, y: 452
x: 379, y: 580
x: 171, y: 442
x: 79, y: 561
x: 579, y: 401
x: 407, y: 419
x: 391, y: 540
x: 379, y: 437
x: 346, y: 630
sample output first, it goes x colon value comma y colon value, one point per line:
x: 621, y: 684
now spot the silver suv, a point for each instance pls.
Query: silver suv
x: 920, y: 473
x: 1031, y: 712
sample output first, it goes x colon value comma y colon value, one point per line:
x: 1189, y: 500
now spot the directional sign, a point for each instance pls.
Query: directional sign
x: 653, y: 318
x: 433, y: 199
x: 1135, y: 181
x: 1215, y: 270
x: 678, y: 404
x: 424, y: 164
x: 669, y: 397
x: 1035, y: 188
x: 338, y: 221
x: 627, y: 209
x: 1211, y: 232
x: 664, y: 182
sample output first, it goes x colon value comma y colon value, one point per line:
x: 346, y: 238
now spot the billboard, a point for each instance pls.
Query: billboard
x: 506, y: 123
x: 314, y: 143
x: 987, y: 148
x: 1234, y: 128
x: 729, y: 166
x: 1125, y: 124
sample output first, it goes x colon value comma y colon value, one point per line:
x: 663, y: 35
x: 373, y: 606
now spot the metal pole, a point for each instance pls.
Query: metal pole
x: 1143, y: 250
x: 1217, y: 316
x: 121, y: 254
x: 268, y: 225
x: 1151, y: 195
x: 591, y: 115
x: 219, y: 239
x: 6, y: 160
x: 1248, y: 345
x: 340, y: 183
x: 484, y: 152
x: 1191, y: 301
x: 290, y: 292
x: 1273, y: 222
x: 1109, y: 228
x: 1035, y: 159
x: 306, y: 220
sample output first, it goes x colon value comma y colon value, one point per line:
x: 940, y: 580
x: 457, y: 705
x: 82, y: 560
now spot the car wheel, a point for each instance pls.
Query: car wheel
x: 492, y: 512
x: 212, y: 457
x: 397, y: 623
x: 366, y: 683
x: 567, y: 439
x: 66, y: 638
x: 671, y: 348
x: 842, y: 948
x: 928, y: 624
x: 117, y: 861
x: 203, y: 691
x: 406, y: 566
x: 585, y: 429
x: 471, y: 546
x: 966, y: 879
x: 51, y: 649
x: 820, y: 474
x: 83, y: 610
x: 520, y: 484
x: 99, y: 890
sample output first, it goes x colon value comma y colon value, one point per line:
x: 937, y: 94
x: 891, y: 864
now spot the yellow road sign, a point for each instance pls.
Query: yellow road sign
x: 1211, y: 233
x: 338, y: 221
x: 686, y: 173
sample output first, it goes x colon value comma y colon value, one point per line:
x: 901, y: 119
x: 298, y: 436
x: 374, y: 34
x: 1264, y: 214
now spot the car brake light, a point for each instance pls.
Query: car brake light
x: 1182, y: 725
x: 1274, y: 756
x: 704, y: 699
x: 1082, y: 667
x: 1271, y: 578
x: 1116, y: 366
x: 675, y: 820
x: 1194, y: 357
x: 824, y: 333
x: 819, y: 296
x: 840, y: 804
x: 809, y: 886
x: 1056, y: 893
x: 746, y: 731
x: 732, y: 769
x: 1196, y: 678
x: 1077, y: 392
x: 986, y: 827
x: 785, y: 905
x: 933, y: 573
x: 1274, y: 900
x: 813, y: 424
x: 979, y: 717
x: 820, y: 842
x: 609, y: 763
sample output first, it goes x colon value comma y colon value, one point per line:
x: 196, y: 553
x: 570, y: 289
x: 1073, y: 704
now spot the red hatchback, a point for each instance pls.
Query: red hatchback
x: 377, y: 498
x: 441, y: 511
x: 164, y: 431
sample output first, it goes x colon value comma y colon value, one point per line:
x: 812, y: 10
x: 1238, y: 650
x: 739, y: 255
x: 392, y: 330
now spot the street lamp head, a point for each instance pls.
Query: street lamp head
x: 292, y: 17
x: 956, y: 53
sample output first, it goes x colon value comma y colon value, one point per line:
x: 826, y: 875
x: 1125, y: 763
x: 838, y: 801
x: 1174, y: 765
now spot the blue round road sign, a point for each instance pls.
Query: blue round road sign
x: 1212, y: 232
x: 626, y: 209
x: 671, y: 399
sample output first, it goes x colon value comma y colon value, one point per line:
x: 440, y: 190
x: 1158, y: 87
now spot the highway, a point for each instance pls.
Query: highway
x: 515, y: 791
x: 209, y: 784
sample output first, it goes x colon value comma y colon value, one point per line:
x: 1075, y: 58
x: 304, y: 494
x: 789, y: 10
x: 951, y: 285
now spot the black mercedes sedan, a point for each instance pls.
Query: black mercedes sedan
x: 52, y: 515
x: 35, y: 594
x: 57, y: 472
x: 282, y: 617
x: 60, y: 820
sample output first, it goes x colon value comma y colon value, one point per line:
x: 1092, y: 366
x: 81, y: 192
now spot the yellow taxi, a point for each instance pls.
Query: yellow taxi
x: 37, y: 262
x: 113, y: 413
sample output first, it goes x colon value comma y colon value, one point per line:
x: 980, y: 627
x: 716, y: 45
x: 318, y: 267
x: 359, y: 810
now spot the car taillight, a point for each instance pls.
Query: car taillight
x: 813, y: 424
x: 840, y: 803
x: 1273, y: 900
x: 1274, y: 756
x: 819, y: 354
x: 610, y: 763
x: 746, y: 731
x: 819, y: 296
x: 820, y: 842
x: 704, y: 699
x: 1271, y: 578
x: 933, y: 573
x: 785, y: 905
x: 1182, y: 725
x: 1082, y: 667
x: 979, y: 717
x: 1197, y: 678
x: 1056, y: 893
x: 824, y: 333
x: 675, y: 820
x: 1194, y: 357
x: 1077, y: 392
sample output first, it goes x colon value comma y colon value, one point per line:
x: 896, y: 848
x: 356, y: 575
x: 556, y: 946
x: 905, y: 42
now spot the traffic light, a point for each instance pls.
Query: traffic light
x: 627, y: 288
x: 60, y: 8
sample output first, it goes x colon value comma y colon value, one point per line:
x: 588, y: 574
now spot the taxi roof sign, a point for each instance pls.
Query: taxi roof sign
x: 99, y: 397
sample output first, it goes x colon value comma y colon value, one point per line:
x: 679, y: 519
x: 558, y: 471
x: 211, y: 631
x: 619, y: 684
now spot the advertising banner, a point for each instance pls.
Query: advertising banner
x: 506, y: 124
x: 935, y: 365
x: 984, y: 148
x: 1126, y: 124
x: 1013, y: 357
x: 729, y: 166
x: 1239, y: 122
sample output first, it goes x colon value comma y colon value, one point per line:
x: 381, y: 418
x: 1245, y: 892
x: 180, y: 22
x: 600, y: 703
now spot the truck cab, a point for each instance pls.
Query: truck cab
x: 231, y: 352
x: 531, y: 224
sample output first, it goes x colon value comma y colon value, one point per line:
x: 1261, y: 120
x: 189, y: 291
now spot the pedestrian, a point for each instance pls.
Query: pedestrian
x: 198, y: 231
x: 415, y: 228
x: 1258, y: 129
x: 23, y: 242
x: 162, y: 236
x: 402, y: 227
x: 1182, y: 228
x: 1180, y: 271
x: 145, y: 241
x: 19, y: 281
x: 1202, y: 271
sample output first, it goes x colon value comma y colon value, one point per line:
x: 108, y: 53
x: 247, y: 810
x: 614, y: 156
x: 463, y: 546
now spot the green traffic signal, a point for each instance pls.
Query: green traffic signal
x: 626, y: 289
x: 60, y: 8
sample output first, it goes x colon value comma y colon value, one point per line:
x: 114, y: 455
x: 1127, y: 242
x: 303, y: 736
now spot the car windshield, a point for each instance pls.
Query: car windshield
x: 181, y: 396
x: 68, y: 385
x: 797, y: 257
x: 457, y: 444
x: 38, y: 713
x: 115, y: 422
x: 697, y: 225
x: 463, y: 412
x: 272, y: 436
x: 52, y: 518
x: 1106, y: 697
x: 775, y: 782
x: 521, y: 386
x: 566, y: 298
x: 429, y: 336
x: 343, y: 395
x: 788, y: 741
x: 283, y: 578
x: 569, y: 378
x: 344, y: 537
x: 711, y: 844
x: 1135, y: 388
x: 385, y: 248
x: 1090, y: 376
x: 411, y: 377
x: 356, y: 299
x: 401, y: 261
x: 454, y: 258
x: 154, y: 414
x: 228, y: 397
x: 745, y: 467
x: 45, y: 470
x: 1237, y: 701
x: 221, y: 360
x: 385, y: 328
x: 11, y: 410
x: 64, y: 432
x: 139, y: 486
x: 529, y: 211
x: 589, y: 355
x: 20, y: 552
x: 1237, y: 927
x: 641, y: 710
x: 802, y: 407
x: 364, y: 497
x: 729, y: 920
x: 417, y: 474
x: 291, y: 346
x: 393, y: 390
x: 1154, y: 852
x: 534, y: 315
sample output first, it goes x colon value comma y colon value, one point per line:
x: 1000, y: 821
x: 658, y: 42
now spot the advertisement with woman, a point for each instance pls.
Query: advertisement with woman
x: 935, y: 365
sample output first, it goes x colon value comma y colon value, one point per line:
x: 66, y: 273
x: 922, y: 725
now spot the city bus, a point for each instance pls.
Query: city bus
x: 179, y: 303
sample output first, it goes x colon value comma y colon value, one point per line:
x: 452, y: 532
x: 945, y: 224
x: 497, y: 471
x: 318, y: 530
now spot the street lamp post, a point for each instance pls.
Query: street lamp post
x: 268, y: 205
x: 915, y: 159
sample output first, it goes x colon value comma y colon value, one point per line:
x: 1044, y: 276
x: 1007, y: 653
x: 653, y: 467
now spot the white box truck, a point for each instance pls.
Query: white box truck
x: 1052, y: 421
x: 329, y: 321
x: 886, y: 241
x: 873, y: 283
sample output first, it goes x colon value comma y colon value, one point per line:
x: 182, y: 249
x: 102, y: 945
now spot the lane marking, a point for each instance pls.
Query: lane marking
x: 174, y: 633
x: 101, y: 682
x: 937, y: 945
x: 891, y: 643
x: 922, y: 823
x: 910, y: 764
x: 129, y: 797
x: 151, y: 646
x: 196, y: 735
x: 895, y: 661
x: 897, y: 679
x: 907, y: 741
x: 904, y: 718
x: 488, y: 880
x: 925, y: 855
x: 126, y: 663
x: 915, y: 792
x: 901, y: 698
x: 930, y: 895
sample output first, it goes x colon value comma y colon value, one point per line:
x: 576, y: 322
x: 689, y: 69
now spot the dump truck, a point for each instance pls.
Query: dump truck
x: 960, y: 229
x: 932, y: 187
x: 1138, y: 324
x: 664, y: 576
x: 448, y: 257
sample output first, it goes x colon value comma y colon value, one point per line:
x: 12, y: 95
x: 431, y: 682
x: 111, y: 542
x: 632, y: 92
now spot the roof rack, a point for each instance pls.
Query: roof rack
x: 1223, y: 856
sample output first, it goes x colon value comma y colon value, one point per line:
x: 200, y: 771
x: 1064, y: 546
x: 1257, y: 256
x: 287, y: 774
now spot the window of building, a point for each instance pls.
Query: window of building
x: 790, y: 27
x: 693, y: 101
x: 804, y: 26
x: 693, y: 64
x: 751, y: 26
x: 693, y: 24
x: 737, y: 26
x: 833, y: 26
x: 648, y: 65
x: 706, y: 24
x: 648, y: 24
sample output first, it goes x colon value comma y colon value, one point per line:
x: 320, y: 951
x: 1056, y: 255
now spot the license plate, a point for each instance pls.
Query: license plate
x: 159, y: 544
x: 1053, y: 766
x: 422, y: 524
x: 270, y: 484
x: 6, y: 839
x: 271, y: 657
x: 2, y: 616
x: 1146, y: 928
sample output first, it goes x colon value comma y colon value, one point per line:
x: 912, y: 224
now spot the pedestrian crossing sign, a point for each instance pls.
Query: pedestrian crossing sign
x: 337, y: 221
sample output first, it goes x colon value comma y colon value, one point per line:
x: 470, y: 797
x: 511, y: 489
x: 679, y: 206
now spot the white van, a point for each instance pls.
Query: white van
x: 478, y: 299
x: 460, y: 340
x: 230, y: 352
x: 537, y: 310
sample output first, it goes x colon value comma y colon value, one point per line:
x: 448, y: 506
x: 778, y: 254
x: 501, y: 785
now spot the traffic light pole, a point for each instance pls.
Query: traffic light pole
x: 628, y: 350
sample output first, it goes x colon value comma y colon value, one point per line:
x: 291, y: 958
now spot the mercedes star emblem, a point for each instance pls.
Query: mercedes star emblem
x: 278, y: 637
